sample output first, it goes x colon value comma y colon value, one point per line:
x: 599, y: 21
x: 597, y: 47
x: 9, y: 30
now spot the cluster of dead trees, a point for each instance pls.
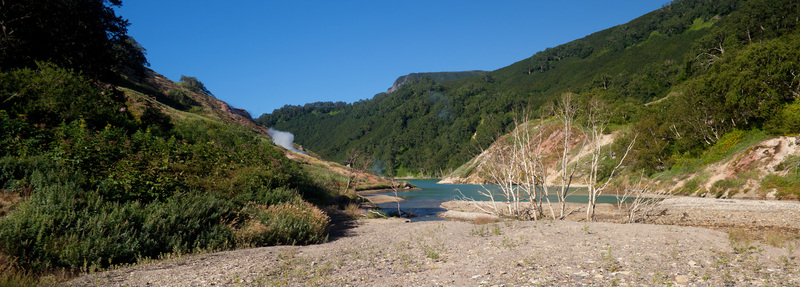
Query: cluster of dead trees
x: 537, y: 162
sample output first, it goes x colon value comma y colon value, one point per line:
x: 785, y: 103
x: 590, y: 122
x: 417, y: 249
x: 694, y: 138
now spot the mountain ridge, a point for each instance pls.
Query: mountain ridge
x: 436, y: 76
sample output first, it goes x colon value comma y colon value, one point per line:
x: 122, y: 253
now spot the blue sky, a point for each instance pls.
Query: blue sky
x: 262, y: 55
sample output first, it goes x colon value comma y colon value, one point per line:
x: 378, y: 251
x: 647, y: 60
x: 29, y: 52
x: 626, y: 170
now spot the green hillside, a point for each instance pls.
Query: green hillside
x: 692, y: 50
x: 105, y: 162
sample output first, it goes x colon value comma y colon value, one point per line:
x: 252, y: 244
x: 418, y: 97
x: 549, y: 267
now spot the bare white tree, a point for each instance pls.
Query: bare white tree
x: 566, y: 110
x: 638, y: 200
x: 505, y: 171
x: 514, y: 168
x: 597, y: 124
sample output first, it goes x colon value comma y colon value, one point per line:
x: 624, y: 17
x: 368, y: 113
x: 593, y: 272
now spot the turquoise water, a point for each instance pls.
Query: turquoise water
x: 425, y: 202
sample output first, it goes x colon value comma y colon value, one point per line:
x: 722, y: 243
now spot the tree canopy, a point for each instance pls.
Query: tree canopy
x: 85, y: 35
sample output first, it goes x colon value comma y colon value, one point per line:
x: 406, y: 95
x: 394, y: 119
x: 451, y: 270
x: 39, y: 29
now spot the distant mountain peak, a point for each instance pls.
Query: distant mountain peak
x: 436, y: 76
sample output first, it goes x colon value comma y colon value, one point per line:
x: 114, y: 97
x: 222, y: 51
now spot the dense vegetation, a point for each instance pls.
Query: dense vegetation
x: 93, y: 175
x: 436, y: 76
x: 704, y: 68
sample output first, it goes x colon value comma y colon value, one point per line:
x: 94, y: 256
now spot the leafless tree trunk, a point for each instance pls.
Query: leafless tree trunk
x: 504, y: 171
x: 636, y: 202
x: 514, y: 168
x: 528, y: 138
x: 597, y: 125
x: 358, y: 162
x: 566, y: 111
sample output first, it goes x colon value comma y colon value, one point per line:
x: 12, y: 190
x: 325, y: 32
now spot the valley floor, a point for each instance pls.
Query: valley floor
x: 390, y: 252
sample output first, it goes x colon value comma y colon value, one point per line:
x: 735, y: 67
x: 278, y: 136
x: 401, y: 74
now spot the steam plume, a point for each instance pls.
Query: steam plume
x: 284, y: 139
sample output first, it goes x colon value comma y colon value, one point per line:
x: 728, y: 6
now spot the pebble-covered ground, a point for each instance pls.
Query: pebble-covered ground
x: 381, y: 252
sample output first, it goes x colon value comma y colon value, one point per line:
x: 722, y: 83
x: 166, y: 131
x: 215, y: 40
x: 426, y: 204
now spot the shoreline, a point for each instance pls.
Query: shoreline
x: 685, y: 211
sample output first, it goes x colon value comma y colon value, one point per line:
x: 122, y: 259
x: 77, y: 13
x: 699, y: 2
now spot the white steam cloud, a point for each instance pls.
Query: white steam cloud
x: 284, y: 139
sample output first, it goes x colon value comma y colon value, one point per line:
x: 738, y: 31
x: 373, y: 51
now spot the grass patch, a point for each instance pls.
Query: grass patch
x: 699, y: 24
x: 480, y: 220
x: 732, y: 186
x: 785, y: 186
x: 288, y: 223
x: 729, y: 145
x: 777, y: 237
x: 790, y: 163
x: 694, y: 185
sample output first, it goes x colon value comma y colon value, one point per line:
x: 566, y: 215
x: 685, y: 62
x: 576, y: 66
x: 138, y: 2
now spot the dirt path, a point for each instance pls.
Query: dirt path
x: 448, y: 253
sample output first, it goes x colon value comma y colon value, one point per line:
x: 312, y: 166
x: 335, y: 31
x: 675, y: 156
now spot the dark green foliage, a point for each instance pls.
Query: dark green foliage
x: 177, y: 99
x: 84, y: 35
x: 99, y: 188
x: 49, y: 96
x: 195, y: 85
x: 63, y: 225
x: 101, y: 197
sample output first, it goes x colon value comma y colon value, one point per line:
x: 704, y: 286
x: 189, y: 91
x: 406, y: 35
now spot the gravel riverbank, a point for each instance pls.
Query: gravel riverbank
x: 380, y: 252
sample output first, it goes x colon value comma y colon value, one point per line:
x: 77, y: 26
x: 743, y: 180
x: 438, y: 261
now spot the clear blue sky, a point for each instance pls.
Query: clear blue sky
x: 262, y: 55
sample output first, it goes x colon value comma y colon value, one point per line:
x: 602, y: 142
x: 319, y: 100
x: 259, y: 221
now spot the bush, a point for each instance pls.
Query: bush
x: 732, y: 186
x: 188, y: 222
x: 785, y: 121
x: 50, y: 95
x: 85, y: 192
x: 177, y: 99
x: 61, y: 225
x: 288, y: 223
x: 194, y: 85
x: 693, y: 185
x: 64, y: 226
x: 788, y: 185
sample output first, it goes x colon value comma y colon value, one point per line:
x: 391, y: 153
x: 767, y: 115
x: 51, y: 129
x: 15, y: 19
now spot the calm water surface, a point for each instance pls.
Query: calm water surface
x: 425, y: 202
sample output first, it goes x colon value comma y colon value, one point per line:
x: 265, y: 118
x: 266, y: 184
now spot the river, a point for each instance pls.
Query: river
x: 425, y: 202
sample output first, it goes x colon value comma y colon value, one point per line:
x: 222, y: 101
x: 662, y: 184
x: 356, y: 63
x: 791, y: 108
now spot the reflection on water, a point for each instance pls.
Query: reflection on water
x: 425, y: 202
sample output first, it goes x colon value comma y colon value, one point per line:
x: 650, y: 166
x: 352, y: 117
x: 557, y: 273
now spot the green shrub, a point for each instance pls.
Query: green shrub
x: 790, y: 162
x: 731, y: 143
x: 194, y: 84
x: 51, y: 95
x: 788, y: 185
x: 732, y: 186
x: 288, y: 223
x: 785, y: 121
x: 177, y: 99
x: 88, y: 193
x: 65, y: 226
x: 17, y: 137
x: 693, y: 185
x: 188, y: 222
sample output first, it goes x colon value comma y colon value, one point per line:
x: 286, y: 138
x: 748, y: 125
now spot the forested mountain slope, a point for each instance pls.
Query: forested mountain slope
x: 725, y: 64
